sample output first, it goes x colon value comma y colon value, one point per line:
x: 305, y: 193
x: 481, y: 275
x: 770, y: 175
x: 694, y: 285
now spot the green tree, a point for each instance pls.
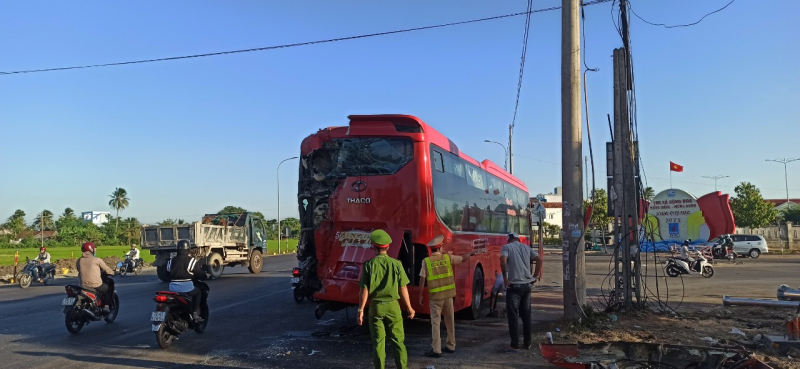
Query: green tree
x: 749, y: 208
x: 293, y: 224
x: 44, y: 221
x: 600, y: 217
x: 119, y: 201
x: 232, y: 210
x: 272, y: 228
x: 791, y: 214
x: 552, y: 230
x: 171, y: 222
x: 16, y: 223
x: 649, y: 194
x: 68, y: 213
x: 131, y: 229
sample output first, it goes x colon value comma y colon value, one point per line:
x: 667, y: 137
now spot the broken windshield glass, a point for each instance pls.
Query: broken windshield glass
x: 372, y: 156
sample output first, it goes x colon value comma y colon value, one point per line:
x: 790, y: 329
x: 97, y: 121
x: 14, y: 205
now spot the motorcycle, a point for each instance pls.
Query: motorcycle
x: 82, y: 305
x: 29, y: 274
x: 129, y: 265
x: 301, y: 284
x: 677, y: 266
x: 722, y: 250
x: 173, y: 315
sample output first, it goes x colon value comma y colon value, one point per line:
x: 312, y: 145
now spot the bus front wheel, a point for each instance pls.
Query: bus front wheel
x: 473, y: 312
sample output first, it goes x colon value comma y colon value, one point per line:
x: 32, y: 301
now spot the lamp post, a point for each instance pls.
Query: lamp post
x: 784, y: 161
x: 715, y: 178
x: 505, y: 158
x: 278, y: 176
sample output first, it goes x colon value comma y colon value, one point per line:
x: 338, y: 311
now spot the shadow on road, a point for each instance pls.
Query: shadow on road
x: 103, y: 361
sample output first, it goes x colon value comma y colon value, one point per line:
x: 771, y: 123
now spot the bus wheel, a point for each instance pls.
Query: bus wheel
x: 474, y: 311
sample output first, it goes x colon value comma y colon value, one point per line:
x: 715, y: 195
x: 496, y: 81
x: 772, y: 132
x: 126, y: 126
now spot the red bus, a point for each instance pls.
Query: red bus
x: 397, y: 173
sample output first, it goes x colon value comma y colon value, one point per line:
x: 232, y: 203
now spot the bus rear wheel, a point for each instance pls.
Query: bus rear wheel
x: 473, y: 312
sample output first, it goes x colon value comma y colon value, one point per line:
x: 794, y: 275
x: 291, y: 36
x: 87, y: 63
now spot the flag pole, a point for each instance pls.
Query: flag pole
x: 670, y: 177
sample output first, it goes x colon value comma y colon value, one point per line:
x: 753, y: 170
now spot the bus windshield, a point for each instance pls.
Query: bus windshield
x: 372, y: 156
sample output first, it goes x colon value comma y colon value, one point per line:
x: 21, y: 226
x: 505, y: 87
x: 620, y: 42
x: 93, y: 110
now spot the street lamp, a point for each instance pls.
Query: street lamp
x: 715, y: 178
x: 505, y: 158
x: 784, y: 161
x: 278, y: 176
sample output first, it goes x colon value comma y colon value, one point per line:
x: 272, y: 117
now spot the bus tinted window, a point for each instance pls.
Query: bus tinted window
x: 469, y: 199
x: 373, y: 156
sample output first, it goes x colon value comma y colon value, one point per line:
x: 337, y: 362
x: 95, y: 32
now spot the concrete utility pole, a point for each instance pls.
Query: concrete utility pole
x: 715, y: 178
x: 785, y: 161
x: 571, y: 152
x: 278, y: 176
x: 625, y: 185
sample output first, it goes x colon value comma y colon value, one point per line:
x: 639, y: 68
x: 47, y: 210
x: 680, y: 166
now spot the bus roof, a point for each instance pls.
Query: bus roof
x: 409, y: 125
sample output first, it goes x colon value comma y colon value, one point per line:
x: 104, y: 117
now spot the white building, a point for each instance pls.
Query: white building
x: 96, y: 217
x: 555, y: 196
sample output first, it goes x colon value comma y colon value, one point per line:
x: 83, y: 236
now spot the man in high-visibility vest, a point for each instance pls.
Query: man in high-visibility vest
x: 437, y: 269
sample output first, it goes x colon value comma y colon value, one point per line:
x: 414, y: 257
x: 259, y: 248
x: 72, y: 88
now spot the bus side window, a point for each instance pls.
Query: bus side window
x: 438, y: 163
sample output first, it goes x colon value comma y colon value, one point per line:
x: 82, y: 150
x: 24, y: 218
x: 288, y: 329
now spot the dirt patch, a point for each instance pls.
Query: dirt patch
x: 699, y: 327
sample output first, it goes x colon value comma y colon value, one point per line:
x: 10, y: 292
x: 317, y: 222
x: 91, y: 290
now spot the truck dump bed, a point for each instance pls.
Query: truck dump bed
x: 214, y: 230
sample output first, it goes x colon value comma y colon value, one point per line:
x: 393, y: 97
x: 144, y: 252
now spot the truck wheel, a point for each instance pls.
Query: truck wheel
x: 215, y: 265
x: 256, y: 262
x: 163, y: 274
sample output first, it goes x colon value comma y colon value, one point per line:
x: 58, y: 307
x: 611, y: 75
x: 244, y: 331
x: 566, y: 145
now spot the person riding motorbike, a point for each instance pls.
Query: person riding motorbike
x: 90, y: 271
x: 134, y: 255
x: 688, y: 256
x: 184, y: 270
x: 43, y: 258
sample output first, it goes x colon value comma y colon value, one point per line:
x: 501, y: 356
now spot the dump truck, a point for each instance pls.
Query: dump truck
x: 218, y: 240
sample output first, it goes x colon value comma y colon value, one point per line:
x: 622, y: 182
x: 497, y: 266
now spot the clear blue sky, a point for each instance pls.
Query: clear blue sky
x: 189, y: 137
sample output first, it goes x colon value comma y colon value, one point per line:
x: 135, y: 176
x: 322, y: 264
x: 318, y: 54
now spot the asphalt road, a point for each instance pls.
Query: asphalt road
x: 255, y: 322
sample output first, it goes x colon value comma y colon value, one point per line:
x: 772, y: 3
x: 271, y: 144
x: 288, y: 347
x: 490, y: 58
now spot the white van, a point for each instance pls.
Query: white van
x: 752, y: 245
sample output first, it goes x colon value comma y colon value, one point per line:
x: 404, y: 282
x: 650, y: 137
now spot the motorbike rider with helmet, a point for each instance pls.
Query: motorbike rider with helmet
x: 134, y: 255
x: 42, y: 259
x: 184, y: 270
x: 688, y: 256
x: 90, y: 269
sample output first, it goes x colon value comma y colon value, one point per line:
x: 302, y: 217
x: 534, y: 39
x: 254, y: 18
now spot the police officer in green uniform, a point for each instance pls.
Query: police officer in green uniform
x: 383, y: 282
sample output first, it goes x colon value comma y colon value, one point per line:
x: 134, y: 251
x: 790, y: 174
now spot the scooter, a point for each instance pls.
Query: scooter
x: 677, y: 266
x: 29, y: 274
x: 723, y: 250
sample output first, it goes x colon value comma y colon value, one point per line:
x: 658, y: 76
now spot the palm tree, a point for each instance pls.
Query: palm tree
x: 119, y: 201
x: 44, y: 220
x: 68, y: 213
x: 649, y: 194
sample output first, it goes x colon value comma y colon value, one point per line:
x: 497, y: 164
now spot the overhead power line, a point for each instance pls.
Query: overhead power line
x: 679, y: 25
x: 522, y: 59
x: 297, y: 44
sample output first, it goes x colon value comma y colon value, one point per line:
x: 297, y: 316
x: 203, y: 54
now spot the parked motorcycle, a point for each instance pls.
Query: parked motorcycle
x: 129, y: 265
x: 82, y: 305
x: 173, y: 315
x: 677, y: 266
x: 28, y: 275
x: 301, y: 283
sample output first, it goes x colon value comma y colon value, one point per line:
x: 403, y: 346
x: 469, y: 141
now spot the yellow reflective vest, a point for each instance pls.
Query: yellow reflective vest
x: 441, y: 283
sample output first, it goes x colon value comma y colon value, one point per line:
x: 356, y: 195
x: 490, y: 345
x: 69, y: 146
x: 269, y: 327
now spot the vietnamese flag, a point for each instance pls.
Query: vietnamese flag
x: 675, y: 167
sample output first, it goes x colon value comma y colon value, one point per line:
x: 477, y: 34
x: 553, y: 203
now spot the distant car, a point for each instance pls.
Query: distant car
x: 751, y: 245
